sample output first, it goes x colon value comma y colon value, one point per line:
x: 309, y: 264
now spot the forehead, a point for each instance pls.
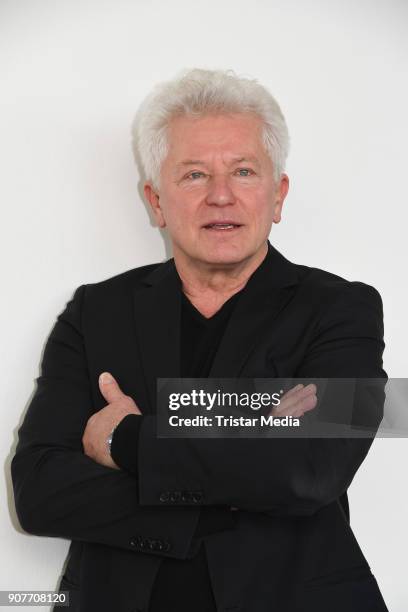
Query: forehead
x: 238, y: 134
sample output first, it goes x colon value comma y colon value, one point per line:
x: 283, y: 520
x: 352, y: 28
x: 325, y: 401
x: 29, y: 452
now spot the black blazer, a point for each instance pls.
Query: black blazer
x: 292, y: 548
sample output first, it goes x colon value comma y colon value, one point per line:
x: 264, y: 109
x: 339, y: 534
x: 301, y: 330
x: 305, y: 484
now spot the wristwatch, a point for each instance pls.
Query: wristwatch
x: 109, y: 440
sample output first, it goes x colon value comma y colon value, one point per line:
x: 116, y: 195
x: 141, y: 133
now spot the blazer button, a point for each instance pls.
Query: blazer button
x: 164, y: 496
x: 166, y: 545
x: 158, y: 545
x: 136, y: 541
x: 175, y: 496
x: 151, y: 544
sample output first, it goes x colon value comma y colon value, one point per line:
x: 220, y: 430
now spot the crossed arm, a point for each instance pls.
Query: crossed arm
x: 61, y: 491
x: 124, y: 442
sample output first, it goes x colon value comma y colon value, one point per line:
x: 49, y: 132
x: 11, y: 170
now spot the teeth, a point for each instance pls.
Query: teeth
x: 222, y: 225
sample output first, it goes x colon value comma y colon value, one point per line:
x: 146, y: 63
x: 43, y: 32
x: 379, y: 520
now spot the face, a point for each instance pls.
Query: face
x: 217, y: 171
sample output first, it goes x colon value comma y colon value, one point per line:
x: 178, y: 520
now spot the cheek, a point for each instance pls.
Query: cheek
x: 259, y: 202
x: 178, y: 217
x: 181, y: 211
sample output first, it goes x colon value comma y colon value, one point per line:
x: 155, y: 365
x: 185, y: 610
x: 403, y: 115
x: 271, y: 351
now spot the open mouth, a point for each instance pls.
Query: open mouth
x: 222, y: 227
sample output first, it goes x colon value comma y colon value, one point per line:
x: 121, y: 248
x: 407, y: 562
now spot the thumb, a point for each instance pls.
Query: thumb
x: 109, y: 387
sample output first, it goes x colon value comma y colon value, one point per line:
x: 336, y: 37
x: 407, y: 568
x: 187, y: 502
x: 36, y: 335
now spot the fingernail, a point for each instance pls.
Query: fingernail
x: 105, y: 377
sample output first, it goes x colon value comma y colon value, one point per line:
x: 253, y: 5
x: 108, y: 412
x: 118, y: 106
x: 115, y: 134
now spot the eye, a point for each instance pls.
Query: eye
x: 194, y: 175
x: 245, y: 171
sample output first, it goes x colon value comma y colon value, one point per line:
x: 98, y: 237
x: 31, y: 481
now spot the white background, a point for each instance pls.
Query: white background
x: 72, y: 76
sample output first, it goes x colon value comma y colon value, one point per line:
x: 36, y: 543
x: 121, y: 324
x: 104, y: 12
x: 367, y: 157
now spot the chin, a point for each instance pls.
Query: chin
x: 223, y: 255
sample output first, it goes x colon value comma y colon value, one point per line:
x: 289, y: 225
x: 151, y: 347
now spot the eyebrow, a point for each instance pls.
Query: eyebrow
x: 197, y: 162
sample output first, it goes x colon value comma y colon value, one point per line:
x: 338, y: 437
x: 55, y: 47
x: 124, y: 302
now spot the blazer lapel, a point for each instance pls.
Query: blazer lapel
x: 157, y: 308
x: 266, y: 293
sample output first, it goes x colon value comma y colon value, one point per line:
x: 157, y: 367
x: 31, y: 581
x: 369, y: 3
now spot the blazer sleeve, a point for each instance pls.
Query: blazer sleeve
x: 125, y: 442
x: 60, y: 491
x: 282, y: 476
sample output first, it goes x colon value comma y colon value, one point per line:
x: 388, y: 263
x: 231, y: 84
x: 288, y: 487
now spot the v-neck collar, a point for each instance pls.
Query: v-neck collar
x: 228, y: 304
x: 191, y: 310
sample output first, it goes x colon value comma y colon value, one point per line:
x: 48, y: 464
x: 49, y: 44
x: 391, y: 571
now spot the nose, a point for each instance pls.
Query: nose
x: 219, y: 191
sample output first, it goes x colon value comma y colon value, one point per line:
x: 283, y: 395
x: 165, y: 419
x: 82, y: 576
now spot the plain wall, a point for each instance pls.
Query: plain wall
x: 72, y: 76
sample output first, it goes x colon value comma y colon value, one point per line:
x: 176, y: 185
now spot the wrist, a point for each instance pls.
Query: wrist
x: 124, y: 445
x: 109, y: 440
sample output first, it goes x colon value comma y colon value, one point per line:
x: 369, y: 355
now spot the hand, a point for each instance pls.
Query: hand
x: 296, y: 401
x: 100, y: 424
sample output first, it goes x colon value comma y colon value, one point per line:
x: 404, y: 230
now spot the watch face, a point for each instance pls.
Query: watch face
x: 110, y: 440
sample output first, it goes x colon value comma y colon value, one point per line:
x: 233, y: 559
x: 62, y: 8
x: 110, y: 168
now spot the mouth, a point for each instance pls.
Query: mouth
x: 222, y: 227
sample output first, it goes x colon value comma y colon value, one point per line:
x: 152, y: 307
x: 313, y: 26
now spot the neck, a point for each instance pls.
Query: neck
x: 201, y: 280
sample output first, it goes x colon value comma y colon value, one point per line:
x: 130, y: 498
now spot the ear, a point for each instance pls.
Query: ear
x: 152, y: 196
x: 281, y: 193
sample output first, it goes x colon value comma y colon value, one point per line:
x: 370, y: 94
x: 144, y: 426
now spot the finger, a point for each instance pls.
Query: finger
x: 291, y: 396
x: 291, y: 399
x: 292, y: 391
x: 110, y: 388
x: 297, y: 401
x: 307, y: 404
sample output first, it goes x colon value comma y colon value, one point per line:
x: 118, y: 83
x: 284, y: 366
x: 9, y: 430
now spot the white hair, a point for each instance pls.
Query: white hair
x: 199, y: 92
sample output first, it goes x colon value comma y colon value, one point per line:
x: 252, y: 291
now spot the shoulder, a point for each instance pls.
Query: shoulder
x: 331, y: 289
x: 112, y: 292
x: 128, y: 277
x: 338, y: 308
x: 121, y: 283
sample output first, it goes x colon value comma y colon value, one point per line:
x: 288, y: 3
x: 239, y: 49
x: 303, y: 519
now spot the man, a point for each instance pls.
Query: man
x: 244, y: 525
